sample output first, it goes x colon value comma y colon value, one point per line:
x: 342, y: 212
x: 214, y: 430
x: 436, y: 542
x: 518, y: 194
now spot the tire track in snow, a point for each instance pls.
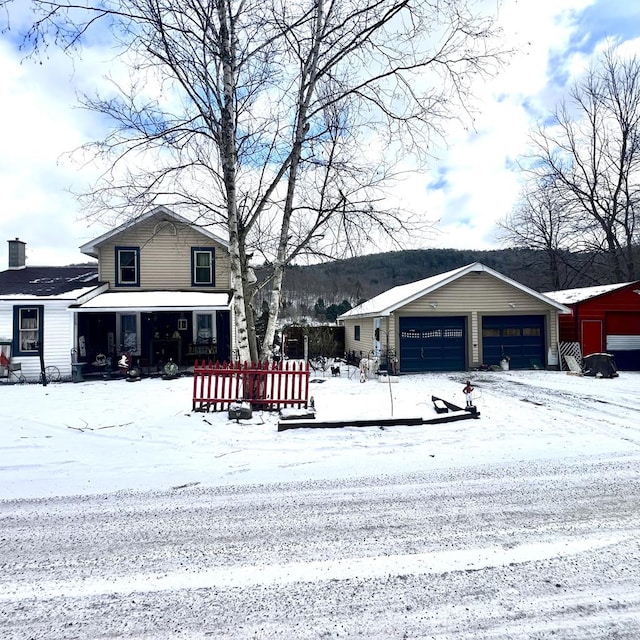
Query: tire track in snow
x: 313, y: 571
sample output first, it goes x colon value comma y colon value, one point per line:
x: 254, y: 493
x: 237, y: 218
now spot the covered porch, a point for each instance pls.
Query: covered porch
x: 153, y: 328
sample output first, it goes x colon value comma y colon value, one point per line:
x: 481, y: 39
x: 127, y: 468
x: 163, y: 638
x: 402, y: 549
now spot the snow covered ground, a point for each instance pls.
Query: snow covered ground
x: 126, y: 515
x: 104, y: 436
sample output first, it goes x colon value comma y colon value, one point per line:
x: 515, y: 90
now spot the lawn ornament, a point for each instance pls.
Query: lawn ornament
x: 468, y: 394
x: 100, y: 361
x: 124, y: 363
x: 170, y: 370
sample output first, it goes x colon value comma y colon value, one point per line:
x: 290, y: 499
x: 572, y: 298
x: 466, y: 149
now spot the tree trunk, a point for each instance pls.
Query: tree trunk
x: 229, y: 172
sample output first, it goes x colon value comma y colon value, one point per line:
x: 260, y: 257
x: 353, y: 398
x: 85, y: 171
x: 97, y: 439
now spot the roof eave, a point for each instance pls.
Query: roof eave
x: 91, y: 248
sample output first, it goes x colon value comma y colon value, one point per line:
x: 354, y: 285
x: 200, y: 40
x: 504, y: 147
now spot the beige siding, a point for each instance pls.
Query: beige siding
x: 364, y: 346
x: 165, y: 255
x: 476, y: 291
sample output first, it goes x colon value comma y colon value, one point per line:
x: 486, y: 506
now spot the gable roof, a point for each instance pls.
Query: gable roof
x: 91, y: 248
x: 400, y: 296
x: 573, y: 296
x: 49, y: 282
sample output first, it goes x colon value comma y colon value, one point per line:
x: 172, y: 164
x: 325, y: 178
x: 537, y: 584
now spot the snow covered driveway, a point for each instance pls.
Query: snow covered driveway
x: 520, y: 550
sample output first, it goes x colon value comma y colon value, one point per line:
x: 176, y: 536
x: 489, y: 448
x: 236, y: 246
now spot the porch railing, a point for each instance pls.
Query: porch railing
x: 267, y: 386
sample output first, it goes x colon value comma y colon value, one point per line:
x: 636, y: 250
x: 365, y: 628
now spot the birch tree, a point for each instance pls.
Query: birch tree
x: 280, y: 122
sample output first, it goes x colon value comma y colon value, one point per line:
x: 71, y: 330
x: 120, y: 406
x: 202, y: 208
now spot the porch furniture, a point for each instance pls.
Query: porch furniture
x: 203, y: 351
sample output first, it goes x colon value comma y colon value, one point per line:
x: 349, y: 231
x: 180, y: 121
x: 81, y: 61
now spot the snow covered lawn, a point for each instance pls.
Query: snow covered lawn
x: 103, y: 436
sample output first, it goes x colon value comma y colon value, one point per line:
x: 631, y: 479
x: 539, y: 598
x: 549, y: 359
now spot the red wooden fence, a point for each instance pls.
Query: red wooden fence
x: 266, y: 386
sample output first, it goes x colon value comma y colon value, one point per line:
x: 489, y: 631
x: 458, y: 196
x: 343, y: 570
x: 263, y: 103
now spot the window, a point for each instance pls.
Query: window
x: 127, y: 266
x: 27, y: 330
x: 128, y: 338
x: 204, y: 328
x: 356, y: 332
x: 203, y: 266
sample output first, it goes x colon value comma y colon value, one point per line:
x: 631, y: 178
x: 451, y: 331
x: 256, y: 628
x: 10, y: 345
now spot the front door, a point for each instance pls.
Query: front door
x: 591, y: 337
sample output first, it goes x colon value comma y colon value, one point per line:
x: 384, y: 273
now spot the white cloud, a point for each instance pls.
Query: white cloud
x: 478, y: 174
x: 479, y: 183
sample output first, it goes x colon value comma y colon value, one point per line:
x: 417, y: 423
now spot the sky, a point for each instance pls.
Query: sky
x: 472, y: 184
x: 71, y: 439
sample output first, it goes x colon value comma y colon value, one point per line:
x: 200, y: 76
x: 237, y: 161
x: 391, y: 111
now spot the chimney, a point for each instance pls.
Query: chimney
x: 17, y: 254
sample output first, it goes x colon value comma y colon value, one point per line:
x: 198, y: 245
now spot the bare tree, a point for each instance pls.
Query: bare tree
x: 590, y: 152
x: 281, y: 122
x: 542, y: 222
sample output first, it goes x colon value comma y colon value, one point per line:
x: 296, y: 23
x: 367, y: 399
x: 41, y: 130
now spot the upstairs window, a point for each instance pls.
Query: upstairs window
x: 27, y: 330
x: 356, y: 332
x: 127, y: 266
x: 203, y: 266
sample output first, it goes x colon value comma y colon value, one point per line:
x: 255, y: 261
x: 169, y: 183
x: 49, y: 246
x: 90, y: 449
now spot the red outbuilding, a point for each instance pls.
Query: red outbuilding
x: 603, y: 319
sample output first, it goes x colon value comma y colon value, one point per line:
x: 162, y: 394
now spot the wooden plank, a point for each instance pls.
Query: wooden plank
x: 573, y: 365
x: 374, y: 422
x: 446, y: 403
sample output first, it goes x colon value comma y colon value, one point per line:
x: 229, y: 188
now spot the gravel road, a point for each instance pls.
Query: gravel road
x: 545, y: 550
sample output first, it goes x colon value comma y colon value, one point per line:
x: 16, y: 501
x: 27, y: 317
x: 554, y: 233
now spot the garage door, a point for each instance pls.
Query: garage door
x: 519, y: 337
x: 432, y: 344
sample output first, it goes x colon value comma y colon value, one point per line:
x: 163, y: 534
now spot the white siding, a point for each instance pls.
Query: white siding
x: 57, y: 338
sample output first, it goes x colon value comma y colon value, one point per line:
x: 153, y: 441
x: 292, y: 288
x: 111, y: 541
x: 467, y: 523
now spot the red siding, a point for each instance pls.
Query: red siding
x: 618, y: 311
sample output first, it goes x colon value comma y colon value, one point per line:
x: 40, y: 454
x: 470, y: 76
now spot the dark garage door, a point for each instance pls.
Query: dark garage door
x: 432, y: 344
x: 519, y: 337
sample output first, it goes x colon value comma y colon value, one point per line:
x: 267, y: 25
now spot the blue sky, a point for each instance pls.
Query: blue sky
x: 473, y: 183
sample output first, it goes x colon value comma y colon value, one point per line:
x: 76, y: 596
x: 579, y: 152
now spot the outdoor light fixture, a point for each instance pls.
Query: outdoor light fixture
x: 434, y: 305
x: 512, y: 305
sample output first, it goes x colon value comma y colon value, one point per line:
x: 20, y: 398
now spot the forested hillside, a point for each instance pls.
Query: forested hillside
x: 361, y: 278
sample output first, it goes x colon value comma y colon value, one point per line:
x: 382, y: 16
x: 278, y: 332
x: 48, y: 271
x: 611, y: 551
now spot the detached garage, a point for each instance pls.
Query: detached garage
x: 603, y: 319
x: 461, y: 319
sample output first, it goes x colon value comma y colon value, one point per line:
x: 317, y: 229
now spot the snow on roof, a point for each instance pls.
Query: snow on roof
x: 73, y: 295
x: 151, y: 300
x: 401, y: 295
x: 386, y: 301
x: 571, y: 296
x: 61, y: 283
